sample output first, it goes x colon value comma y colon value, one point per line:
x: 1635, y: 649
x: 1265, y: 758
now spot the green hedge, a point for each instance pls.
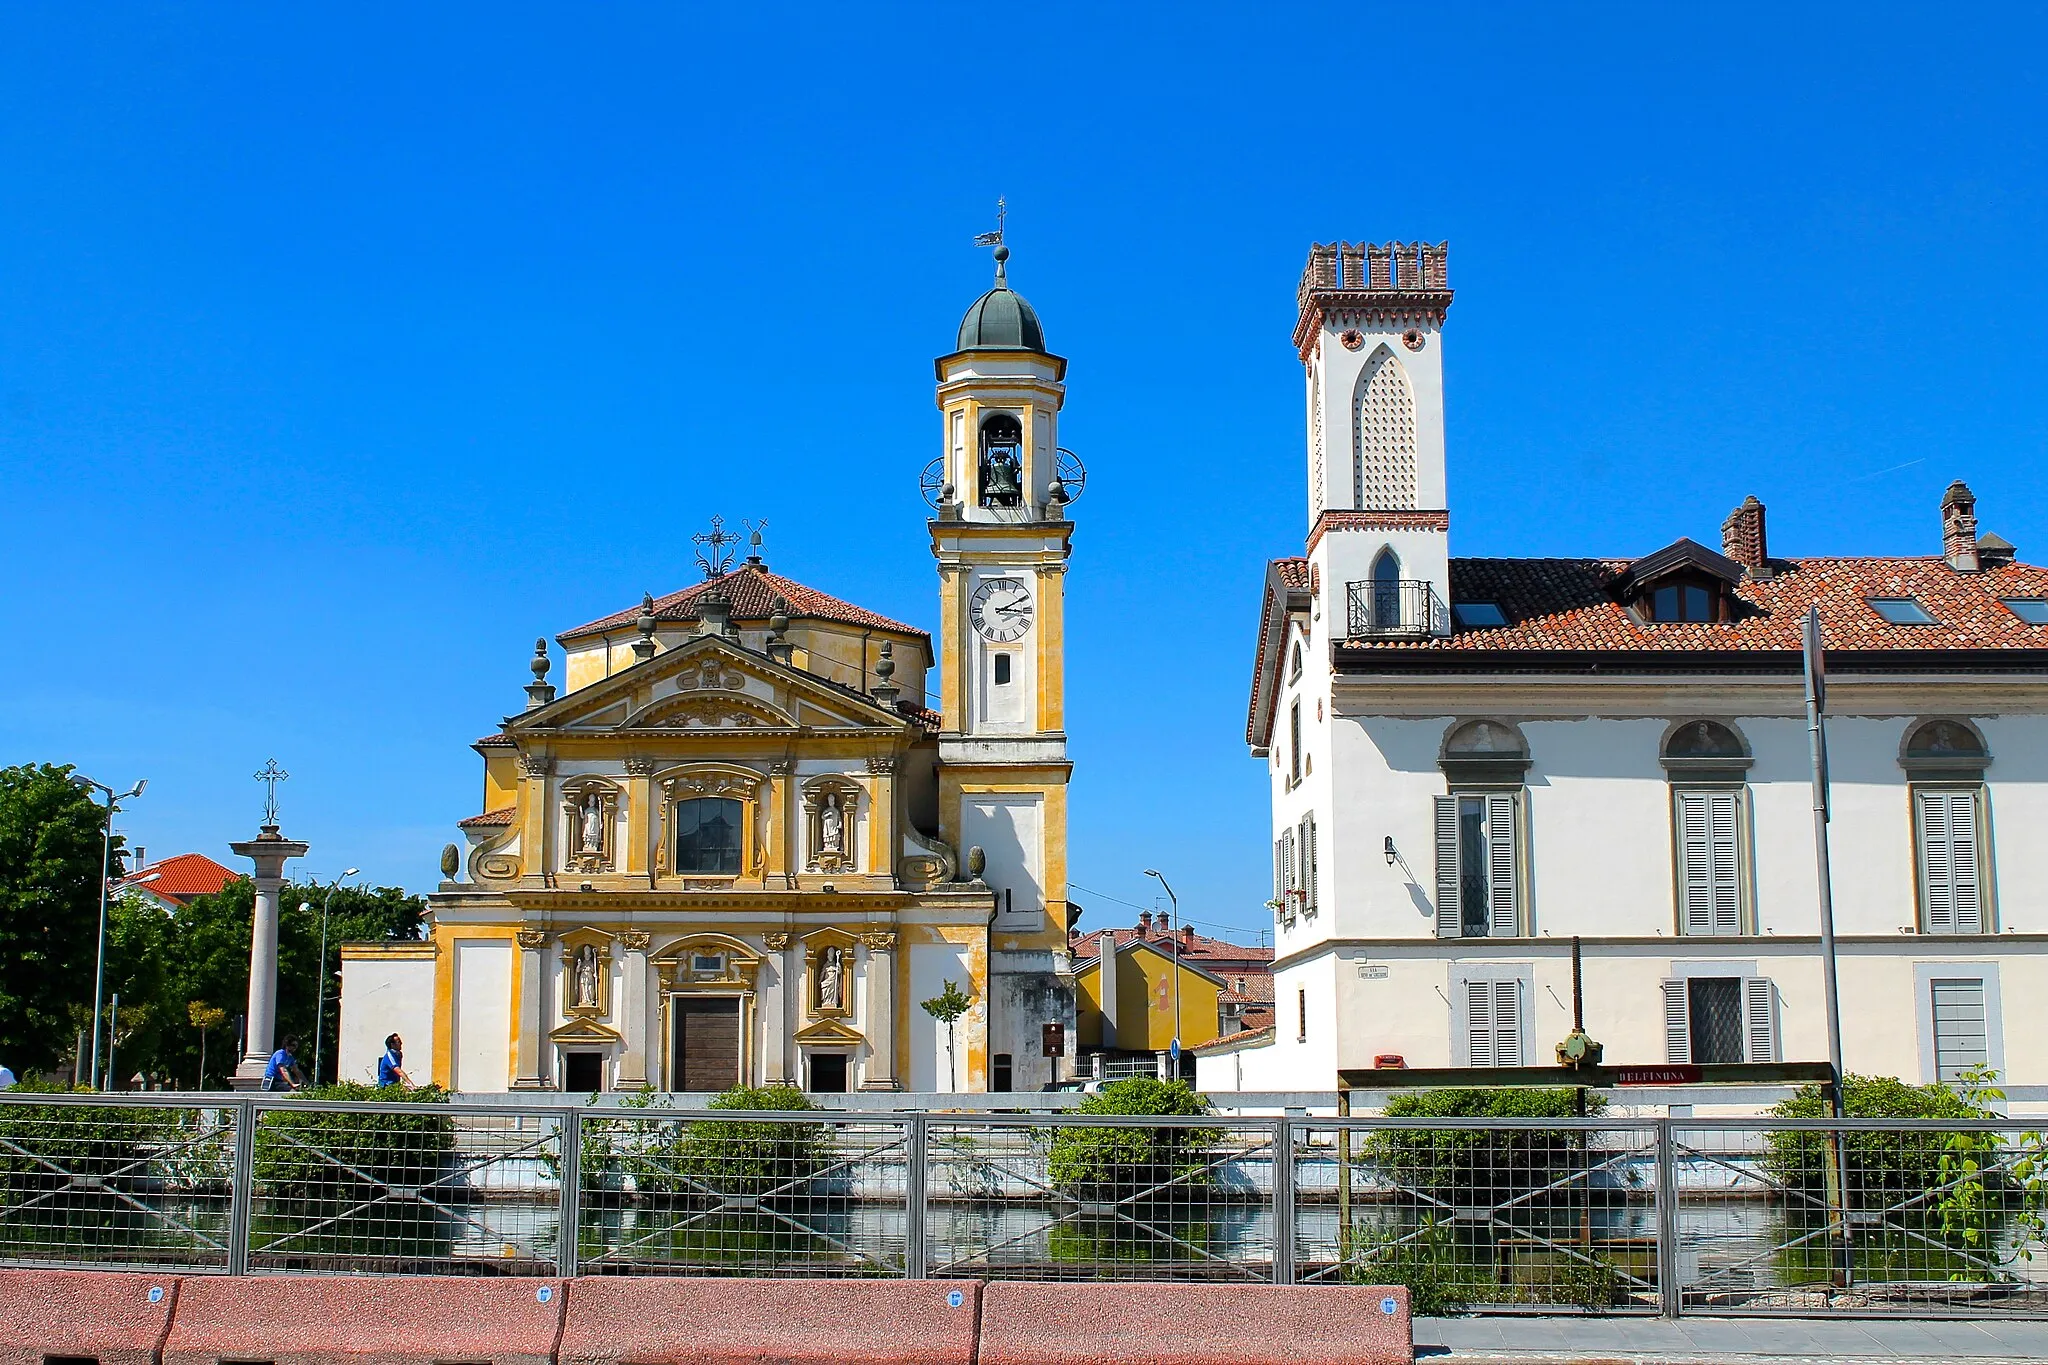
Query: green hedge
x: 306, y: 1153
x: 105, y: 1141
x: 1118, y: 1163
x: 1890, y: 1165
x: 1480, y: 1161
x: 742, y: 1158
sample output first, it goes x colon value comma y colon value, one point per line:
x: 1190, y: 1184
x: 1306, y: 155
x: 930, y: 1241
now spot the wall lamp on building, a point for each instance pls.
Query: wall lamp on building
x: 1393, y: 855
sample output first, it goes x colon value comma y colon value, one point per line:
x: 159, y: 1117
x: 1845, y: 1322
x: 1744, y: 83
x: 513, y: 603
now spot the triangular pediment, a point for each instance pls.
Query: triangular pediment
x: 830, y: 1031
x: 584, y: 1031
x: 707, y: 684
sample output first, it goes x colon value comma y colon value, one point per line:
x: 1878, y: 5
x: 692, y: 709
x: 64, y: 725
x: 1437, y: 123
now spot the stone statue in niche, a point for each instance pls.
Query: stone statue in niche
x: 586, y: 977
x: 831, y: 986
x: 831, y: 826
x: 593, y: 822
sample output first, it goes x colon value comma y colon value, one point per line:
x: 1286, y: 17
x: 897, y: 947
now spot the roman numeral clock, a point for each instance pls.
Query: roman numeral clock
x: 1001, y: 610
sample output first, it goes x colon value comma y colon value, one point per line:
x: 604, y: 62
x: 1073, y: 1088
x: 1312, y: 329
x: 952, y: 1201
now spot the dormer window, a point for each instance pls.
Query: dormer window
x: 1682, y: 602
x: 1901, y: 611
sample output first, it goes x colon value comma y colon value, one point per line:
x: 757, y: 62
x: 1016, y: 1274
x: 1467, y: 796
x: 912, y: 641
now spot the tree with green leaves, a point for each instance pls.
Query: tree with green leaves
x: 947, y: 1007
x: 50, y: 867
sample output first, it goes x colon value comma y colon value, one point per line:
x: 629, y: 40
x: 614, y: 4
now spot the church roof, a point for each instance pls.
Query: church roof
x: 752, y: 589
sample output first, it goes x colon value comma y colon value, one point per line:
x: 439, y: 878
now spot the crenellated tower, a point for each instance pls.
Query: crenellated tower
x: 1369, y: 334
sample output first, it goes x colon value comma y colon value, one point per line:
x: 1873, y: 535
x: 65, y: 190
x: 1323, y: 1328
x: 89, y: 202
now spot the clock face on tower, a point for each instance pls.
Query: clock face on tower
x: 1001, y: 609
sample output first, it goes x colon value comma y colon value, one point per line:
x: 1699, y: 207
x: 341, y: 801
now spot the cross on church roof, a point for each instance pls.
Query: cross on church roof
x: 716, y: 555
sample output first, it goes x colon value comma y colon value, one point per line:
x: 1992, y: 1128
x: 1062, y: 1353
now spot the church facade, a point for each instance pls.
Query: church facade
x: 757, y: 825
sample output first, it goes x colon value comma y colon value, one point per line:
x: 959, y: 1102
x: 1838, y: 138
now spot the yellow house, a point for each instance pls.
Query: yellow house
x: 1128, y: 1008
x: 760, y: 823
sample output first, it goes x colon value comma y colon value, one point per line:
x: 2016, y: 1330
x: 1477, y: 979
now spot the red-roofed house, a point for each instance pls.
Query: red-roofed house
x: 1474, y: 760
x: 1127, y: 997
x: 173, y: 882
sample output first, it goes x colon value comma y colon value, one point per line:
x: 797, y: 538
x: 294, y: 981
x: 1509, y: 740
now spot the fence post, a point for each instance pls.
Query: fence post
x: 1283, y: 1200
x: 242, y: 1188
x: 916, y: 1258
x: 1669, y: 1291
x: 569, y: 1207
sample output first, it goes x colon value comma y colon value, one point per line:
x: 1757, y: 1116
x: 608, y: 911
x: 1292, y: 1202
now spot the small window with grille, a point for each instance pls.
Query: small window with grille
x: 1710, y: 1019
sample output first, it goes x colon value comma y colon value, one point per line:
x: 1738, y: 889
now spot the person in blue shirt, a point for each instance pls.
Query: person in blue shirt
x: 283, y: 1071
x: 391, y: 1066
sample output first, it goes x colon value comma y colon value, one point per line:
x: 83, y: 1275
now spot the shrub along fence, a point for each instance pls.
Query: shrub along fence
x: 1472, y: 1209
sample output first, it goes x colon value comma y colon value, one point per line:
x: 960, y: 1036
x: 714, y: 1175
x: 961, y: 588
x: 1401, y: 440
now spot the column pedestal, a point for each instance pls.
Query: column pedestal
x: 268, y: 850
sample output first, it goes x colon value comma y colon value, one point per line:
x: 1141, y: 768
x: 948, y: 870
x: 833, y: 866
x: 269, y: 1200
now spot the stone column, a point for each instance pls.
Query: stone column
x: 771, y: 1010
x: 881, y: 1011
x: 632, y: 1073
x: 268, y: 850
x: 533, y: 1018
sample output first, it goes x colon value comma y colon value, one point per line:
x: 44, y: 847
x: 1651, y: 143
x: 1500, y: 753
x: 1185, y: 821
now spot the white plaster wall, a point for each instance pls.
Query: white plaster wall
x: 483, y: 1016
x: 1345, y: 555
x: 382, y: 996
x: 931, y: 966
x: 1339, y: 373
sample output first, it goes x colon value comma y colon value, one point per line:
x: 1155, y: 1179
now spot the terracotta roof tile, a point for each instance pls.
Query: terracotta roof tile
x: 1293, y: 572
x: 489, y: 819
x: 498, y: 740
x: 1203, y: 951
x: 1230, y: 1042
x: 1567, y: 604
x: 182, y: 876
x: 753, y: 591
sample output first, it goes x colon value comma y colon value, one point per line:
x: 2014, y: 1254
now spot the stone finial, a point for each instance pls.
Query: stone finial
x: 977, y: 862
x: 714, y: 612
x: 1959, y: 527
x: 451, y: 861
x: 778, y: 628
x: 540, y: 691
x: 884, y: 691
x: 643, y: 648
x: 1742, y: 537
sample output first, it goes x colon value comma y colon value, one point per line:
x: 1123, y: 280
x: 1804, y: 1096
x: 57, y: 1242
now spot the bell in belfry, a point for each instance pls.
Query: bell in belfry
x: 999, y: 477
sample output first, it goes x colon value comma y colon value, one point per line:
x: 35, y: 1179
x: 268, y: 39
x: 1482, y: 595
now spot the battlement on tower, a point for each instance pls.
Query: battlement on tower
x: 1399, y: 277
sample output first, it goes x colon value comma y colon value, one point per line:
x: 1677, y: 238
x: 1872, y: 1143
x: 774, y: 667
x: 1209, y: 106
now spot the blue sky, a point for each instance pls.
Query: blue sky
x: 340, y: 356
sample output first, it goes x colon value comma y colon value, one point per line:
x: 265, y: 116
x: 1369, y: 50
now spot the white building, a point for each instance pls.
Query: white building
x: 1474, y: 760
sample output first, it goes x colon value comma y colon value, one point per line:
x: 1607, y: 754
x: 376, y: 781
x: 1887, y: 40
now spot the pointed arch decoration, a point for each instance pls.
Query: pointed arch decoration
x: 1383, y: 435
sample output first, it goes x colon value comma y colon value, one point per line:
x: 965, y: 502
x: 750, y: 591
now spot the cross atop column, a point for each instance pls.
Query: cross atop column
x: 270, y: 777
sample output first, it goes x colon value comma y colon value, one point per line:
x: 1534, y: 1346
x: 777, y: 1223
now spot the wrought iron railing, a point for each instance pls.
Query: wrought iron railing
x: 1408, y: 607
x: 1645, y: 1215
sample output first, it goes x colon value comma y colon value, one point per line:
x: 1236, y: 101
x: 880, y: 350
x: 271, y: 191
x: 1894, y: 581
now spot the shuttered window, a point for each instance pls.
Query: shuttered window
x: 1961, y: 1039
x: 1307, y: 853
x: 1493, y: 1023
x: 1951, y: 860
x: 1478, y: 866
x: 1710, y: 1019
x: 1709, y: 860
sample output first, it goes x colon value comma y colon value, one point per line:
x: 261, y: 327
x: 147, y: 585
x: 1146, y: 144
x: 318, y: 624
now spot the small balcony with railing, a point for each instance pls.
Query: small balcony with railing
x: 1405, y: 608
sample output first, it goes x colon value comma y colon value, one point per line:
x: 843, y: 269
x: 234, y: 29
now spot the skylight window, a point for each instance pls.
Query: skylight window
x: 2032, y: 610
x: 1901, y: 611
x: 1473, y: 614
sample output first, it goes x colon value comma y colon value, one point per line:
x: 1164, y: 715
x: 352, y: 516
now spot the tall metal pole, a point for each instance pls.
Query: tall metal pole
x: 1816, y: 706
x: 1174, y: 901
x: 99, y: 971
x: 320, y: 1009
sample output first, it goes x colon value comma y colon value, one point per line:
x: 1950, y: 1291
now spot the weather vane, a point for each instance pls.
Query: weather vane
x: 994, y: 238
x: 754, y: 529
x: 270, y: 777
x: 716, y: 556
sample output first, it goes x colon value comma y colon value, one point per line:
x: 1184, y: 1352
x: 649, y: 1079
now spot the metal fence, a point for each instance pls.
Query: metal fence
x: 1608, y: 1214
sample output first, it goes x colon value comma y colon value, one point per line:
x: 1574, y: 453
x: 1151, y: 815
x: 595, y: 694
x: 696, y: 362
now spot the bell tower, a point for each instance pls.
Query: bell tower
x: 1001, y: 538
x: 1370, y: 335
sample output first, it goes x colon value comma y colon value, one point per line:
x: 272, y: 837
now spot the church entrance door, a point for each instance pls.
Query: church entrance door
x: 706, y: 1054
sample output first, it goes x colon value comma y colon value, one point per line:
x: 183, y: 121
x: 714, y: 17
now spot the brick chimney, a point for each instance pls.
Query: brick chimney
x: 1144, y: 924
x: 1959, y: 527
x: 1742, y: 537
x: 1187, y: 936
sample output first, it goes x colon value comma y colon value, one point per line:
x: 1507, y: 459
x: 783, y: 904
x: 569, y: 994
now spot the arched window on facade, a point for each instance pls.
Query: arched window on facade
x: 1002, y: 461
x: 1386, y: 590
x: 708, y: 836
x: 1707, y: 765
x: 1945, y: 760
x: 1480, y: 877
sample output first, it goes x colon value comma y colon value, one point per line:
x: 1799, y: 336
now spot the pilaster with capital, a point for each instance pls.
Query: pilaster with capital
x: 780, y: 852
x: 882, y: 843
x: 632, y: 1071
x: 529, y: 1073
x: 776, y: 1008
x: 639, y: 859
x: 880, y: 1017
x: 535, y: 837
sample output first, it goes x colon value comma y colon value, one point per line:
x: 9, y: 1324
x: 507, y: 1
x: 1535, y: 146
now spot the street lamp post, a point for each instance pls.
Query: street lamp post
x: 320, y: 1009
x: 99, y: 971
x: 1174, y: 901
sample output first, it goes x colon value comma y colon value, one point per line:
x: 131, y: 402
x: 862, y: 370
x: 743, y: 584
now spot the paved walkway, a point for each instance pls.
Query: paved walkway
x: 1723, y: 1341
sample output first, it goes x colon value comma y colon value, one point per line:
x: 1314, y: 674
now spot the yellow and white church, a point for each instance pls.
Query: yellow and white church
x: 758, y: 824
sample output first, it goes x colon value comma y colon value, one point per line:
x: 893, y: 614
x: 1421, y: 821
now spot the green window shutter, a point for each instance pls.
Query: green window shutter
x: 1503, y: 903
x: 1677, y: 1024
x: 1447, y: 867
x: 1759, y: 1019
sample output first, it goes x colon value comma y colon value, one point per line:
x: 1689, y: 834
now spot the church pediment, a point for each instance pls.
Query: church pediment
x: 830, y: 1031
x: 710, y: 683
